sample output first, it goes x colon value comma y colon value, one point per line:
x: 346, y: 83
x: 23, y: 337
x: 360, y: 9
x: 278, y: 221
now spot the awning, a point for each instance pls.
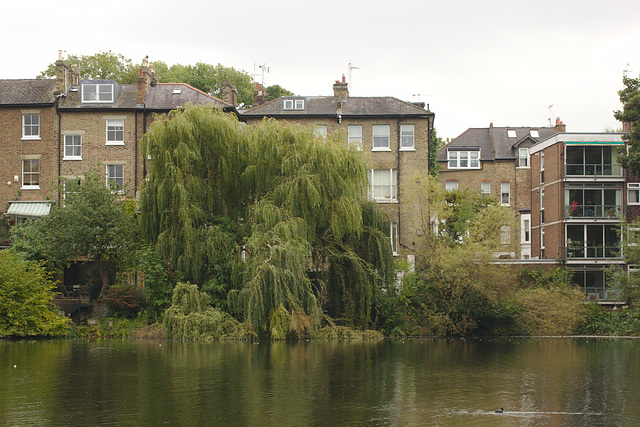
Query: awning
x: 29, y: 209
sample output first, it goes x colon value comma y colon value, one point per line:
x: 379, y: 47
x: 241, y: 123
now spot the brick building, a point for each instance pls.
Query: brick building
x: 394, y: 134
x: 63, y: 128
x: 578, y: 195
x: 495, y: 162
x: 28, y: 139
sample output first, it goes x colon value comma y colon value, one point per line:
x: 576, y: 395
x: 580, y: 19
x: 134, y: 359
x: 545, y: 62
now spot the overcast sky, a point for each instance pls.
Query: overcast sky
x: 474, y: 62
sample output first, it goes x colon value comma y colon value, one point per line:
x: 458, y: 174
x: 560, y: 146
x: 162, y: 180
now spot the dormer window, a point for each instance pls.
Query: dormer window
x: 177, y: 90
x: 534, y: 133
x: 294, y: 104
x: 97, y: 93
x: 511, y: 133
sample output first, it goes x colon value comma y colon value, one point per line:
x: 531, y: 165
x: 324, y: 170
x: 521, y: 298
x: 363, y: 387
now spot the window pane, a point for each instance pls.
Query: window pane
x: 407, y: 136
x: 464, y: 159
x: 381, y: 136
x: 474, y: 161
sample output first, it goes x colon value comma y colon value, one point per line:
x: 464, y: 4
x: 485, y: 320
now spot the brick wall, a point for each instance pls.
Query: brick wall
x: 15, y: 149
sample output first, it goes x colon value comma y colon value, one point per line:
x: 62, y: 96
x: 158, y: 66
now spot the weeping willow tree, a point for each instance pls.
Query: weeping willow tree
x: 271, y: 214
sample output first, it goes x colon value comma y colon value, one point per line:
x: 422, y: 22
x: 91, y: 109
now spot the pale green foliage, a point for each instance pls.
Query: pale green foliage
x: 190, y: 317
x: 630, y: 98
x: 293, y: 201
x: 102, y: 65
x: 93, y: 223
x: 26, y: 307
x: 628, y: 281
x: 550, y: 311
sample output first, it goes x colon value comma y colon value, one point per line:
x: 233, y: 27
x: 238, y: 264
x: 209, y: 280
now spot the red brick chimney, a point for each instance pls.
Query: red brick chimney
x: 560, y: 127
x: 259, y: 95
x: 341, y: 90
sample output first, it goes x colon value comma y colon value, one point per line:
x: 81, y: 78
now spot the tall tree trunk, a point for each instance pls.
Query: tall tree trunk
x: 104, y: 276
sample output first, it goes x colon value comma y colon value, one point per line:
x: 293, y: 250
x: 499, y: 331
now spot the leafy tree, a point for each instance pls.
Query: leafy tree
x: 26, y: 299
x: 435, y: 143
x: 630, y: 98
x: 102, y: 65
x: 292, y: 206
x: 276, y: 91
x: 93, y: 224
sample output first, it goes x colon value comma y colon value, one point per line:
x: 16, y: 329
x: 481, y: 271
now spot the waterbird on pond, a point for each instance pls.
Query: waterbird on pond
x: 499, y: 411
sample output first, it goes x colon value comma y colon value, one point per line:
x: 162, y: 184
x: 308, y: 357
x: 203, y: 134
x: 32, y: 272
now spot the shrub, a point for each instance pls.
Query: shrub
x: 124, y: 300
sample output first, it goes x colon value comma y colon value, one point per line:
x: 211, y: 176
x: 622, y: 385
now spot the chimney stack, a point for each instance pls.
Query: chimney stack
x: 560, y: 127
x: 141, y: 91
x: 229, y: 93
x: 340, y: 90
x: 65, y: 75
x: 259, y: 95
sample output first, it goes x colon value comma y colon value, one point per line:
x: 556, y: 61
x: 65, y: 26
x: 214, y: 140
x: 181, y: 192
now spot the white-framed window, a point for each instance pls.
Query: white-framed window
x: 463, y: 159
x: 115, y: 132
x: 354, y: 136
x: 451, y: 185
x: 381, y: 137
x: 505, y: 193
x: 31, y: 126
x: 30, y: 174
x: 541, y: 198
x: 541, y: 237
x: 383, y: 185
x: 407, y: 137
x: 505, y: 234
x: 72, y: 147
x: 298, y: 104
x: 115, y: 177
x: 393, y: 234
x: 511, y: 133
x: 534, y: 133
x: 97, y: 93
x: 542, y: 160
x: 288, y: 104
x: 523, y: 157
x: 525, y: 228
x: 485, y: 188
x: 320, y: 131
x: 633, y: 193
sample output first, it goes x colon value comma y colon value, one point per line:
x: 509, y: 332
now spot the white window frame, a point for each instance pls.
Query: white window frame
x: 99, y: 94
x: 451, y: 185
x: 391, y: 183
x: 114, y: 177
x: 31, y: 174
x: 379, y: 134
x: 320, y: 131
x: 113, y: 132
x: 505, y: 234
x: 633, y: 187
x: 354, y: 136
x: 525, y: 228
x: 393, y: 235
x: 298, y: 104
x: 485, y: 188
x: 470, y: 159
x: 505, y: 186
x: 33, y: 128
x: 534, y: 133
x: 288, y: 104
x: 72, y: 147
x: 523, y: 158
x: 407, y: 138
x: 511, y: 133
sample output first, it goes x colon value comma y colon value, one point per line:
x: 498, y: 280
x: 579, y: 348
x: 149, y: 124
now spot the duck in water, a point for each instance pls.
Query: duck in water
x: 499, y: 411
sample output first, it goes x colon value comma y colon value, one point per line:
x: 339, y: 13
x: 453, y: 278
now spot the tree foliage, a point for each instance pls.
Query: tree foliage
x: 276, y: 91
x: 100, y: 66
x: 630, y: 98
x: 435, y: 143
x: 271, y: 215
x: 26, y: 307
x: 94, y: 224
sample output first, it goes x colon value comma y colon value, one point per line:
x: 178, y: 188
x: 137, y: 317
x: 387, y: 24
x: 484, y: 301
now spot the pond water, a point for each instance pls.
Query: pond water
x: 538, y: 381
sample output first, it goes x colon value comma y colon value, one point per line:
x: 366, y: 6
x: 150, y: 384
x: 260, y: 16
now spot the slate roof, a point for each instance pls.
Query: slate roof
x: 27, y: 91
x: 480, y: 138
x: 161, y: 97
x: 323, y: 106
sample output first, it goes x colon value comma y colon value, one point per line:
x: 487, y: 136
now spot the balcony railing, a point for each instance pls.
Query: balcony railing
x: 593, y: 170
x: 592, y: 252
x: 593, y: 211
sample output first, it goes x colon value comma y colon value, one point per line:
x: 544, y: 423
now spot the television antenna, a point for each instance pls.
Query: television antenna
x: 263, y: 69
x: 626, y: 70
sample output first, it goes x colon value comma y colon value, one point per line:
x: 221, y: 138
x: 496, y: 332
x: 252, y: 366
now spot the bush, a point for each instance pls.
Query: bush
x: 191, y: 317
x: 124, y: 300
x: 550, y: 311
x: 26, y: 296
x: 624, y: 322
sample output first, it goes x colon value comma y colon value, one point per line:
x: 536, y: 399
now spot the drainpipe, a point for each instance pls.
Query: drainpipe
x: 59, y: 141
x: 398, y: 137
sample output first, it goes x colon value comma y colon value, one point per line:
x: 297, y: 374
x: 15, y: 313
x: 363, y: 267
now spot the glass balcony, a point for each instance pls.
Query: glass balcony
x: 592, y: 252
x: 576, y: 210
x: 593, y: 170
